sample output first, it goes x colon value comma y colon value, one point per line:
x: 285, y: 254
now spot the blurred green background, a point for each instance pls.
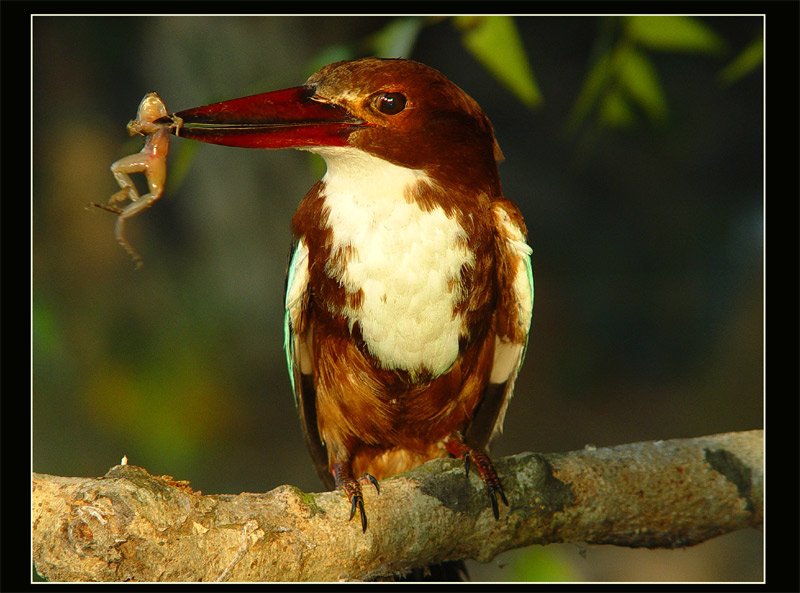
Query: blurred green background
x: 640, y: 181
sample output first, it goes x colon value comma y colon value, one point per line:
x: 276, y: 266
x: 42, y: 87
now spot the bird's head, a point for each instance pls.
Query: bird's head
x: 398, y: 110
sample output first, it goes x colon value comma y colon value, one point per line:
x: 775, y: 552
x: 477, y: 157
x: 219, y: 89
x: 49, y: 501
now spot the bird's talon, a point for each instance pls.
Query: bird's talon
x: 373, y: 481
x: 496, y: 490
x: 503, y: 496
x: 483, y: 465
x: 357, y: 502
x: 363, y: 515
x: 352, y: 489
x: 493, y: 500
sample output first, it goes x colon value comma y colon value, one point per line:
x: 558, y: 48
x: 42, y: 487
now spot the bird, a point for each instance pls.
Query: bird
x: 409, y: 291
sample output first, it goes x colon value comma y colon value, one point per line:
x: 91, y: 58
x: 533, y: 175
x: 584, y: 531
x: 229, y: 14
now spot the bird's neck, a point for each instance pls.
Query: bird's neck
x: 368, y: 179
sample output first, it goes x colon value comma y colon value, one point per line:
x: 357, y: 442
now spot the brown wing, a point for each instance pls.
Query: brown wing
x: 511, y: 323
x: 297, y: 343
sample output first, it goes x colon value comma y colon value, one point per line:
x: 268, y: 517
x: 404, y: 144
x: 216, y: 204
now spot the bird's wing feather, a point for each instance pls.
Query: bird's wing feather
x: 512, y: 324
x: 297, y: 344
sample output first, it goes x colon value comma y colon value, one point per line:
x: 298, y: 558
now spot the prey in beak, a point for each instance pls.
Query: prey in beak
x: 288, y: 118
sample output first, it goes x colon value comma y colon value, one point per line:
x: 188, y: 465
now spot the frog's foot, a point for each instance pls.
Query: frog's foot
x: 107, y: 206
x: 138, y: 262
x: 126, y: 193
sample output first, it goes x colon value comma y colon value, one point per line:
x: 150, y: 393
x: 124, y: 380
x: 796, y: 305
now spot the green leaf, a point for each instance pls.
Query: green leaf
x: 673, y: 33
x: 46, y: 336
x: 496, y: 43
x: 397, y: 38
x: 543, y: 564
x: 748, y: 60
x: 183, y: 155
x: 329, y: 55
x: 639, y: 79
x: 615, y: 111
x: 317, y: 165
x: 596, y: 81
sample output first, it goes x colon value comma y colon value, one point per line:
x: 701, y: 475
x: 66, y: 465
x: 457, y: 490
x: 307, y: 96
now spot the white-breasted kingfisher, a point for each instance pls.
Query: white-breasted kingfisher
x: 409, y: 291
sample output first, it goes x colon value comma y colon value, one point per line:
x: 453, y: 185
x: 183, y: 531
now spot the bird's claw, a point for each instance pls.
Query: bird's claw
x: 352, y: 488
x: 358, y: 502
x: 371, y: 479
x: 485, y: 470
x: 494, y: 491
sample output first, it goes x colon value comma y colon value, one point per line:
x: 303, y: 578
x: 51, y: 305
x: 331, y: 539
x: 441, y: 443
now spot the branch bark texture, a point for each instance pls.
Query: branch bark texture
x: 131, y: 526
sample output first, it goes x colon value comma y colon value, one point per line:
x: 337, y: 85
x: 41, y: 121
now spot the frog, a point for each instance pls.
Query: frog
x: 154, y: 122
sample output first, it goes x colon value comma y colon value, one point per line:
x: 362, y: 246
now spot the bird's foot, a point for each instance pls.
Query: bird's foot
x: 352, y: 488
x: 456, y: 447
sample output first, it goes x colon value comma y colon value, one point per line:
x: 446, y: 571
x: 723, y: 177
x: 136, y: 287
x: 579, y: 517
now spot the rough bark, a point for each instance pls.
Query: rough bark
x: 131, y: 526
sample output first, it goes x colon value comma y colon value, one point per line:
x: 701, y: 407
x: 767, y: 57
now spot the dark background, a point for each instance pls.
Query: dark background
x: 648, y: 263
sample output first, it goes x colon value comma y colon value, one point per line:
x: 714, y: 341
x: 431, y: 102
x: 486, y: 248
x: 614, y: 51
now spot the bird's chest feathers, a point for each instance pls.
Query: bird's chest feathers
x: 400, y: 264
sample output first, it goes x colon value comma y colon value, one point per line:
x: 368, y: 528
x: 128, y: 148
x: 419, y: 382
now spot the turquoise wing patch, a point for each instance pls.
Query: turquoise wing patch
x: 296, y: 286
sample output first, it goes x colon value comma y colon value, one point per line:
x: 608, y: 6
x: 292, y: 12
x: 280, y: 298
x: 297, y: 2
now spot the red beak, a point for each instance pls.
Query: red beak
x: 289, y: 118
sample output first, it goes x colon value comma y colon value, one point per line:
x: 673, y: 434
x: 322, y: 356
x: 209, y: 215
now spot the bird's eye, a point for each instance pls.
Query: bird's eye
x: 390, y: 103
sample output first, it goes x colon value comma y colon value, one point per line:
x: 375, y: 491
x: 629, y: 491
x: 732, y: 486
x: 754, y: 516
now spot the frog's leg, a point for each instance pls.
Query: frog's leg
x: 152, y: 162
x: 122, y: 170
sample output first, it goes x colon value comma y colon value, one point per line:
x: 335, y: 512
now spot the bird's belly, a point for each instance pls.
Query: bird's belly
x: 401, y: 267
x: 380, y: 417
x: 382, y: 463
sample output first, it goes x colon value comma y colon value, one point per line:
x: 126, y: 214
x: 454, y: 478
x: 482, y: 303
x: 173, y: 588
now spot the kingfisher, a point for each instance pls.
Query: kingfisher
x: 409, y: 292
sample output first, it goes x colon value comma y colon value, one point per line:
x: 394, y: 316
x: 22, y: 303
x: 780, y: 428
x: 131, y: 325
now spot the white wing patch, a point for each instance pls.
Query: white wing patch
x: 523, y: 279
x: 509, y: 354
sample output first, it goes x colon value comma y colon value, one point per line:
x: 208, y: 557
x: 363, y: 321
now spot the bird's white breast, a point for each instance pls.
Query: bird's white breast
x: 406, y: 261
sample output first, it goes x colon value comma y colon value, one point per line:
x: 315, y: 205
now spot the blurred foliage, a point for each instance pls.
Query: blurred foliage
x: 492, y: 40
x: 543, y: 564
x: 496, y: 43
x: 750, y: 58
x: 624, y: 77
x: 672, y: 33
x: 181, y: 164
x: 396, y: 40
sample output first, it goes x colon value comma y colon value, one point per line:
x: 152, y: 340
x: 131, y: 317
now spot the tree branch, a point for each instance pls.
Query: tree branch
x: 129, y: 525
